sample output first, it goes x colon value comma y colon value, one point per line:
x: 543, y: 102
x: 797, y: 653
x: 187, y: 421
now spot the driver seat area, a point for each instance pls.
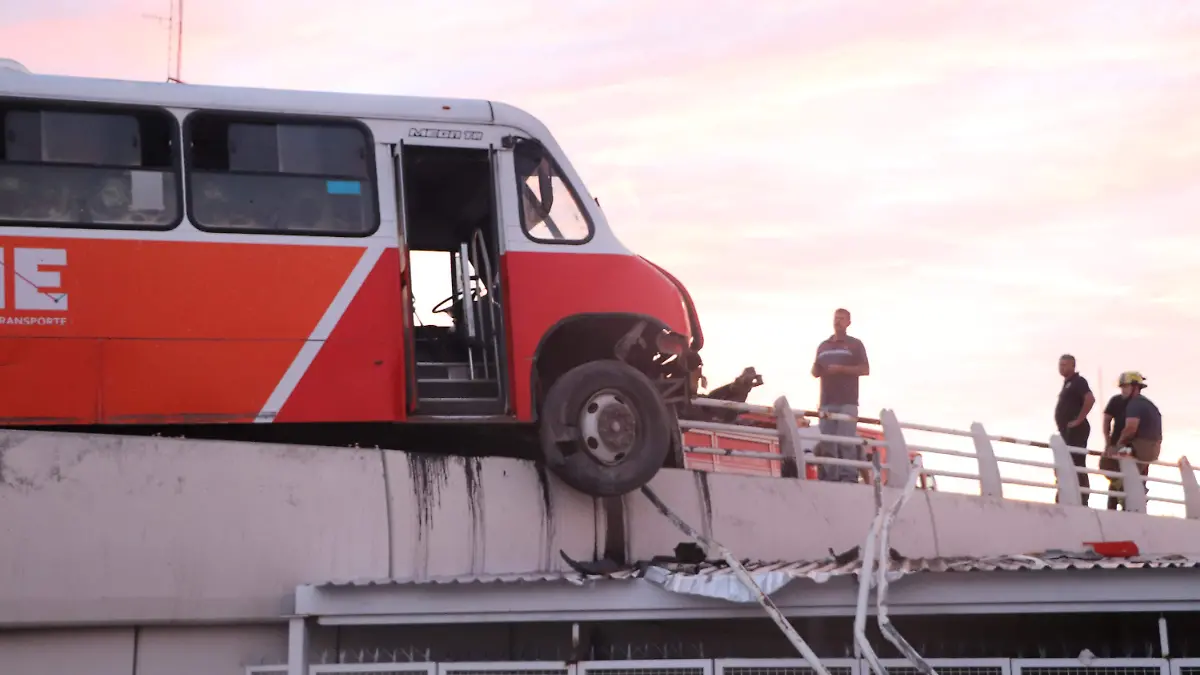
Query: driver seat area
x: 456, y: 373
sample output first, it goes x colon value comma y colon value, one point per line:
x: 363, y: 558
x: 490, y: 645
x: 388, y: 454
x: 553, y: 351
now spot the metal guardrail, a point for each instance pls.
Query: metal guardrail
x: 982, y: 464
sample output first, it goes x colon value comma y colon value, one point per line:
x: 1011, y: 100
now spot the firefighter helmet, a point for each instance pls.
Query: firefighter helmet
x: 1131, y: 377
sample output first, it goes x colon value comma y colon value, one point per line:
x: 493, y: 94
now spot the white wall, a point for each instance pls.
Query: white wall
x: 149, y: 531
x: 95, y: 652
x: 145, y: 530
x: 198, y: 650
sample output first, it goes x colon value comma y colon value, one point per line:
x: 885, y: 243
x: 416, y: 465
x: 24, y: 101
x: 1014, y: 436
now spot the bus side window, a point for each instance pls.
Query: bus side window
x: 550, y: 211
x: 275, y: 175
x: 73, y: 165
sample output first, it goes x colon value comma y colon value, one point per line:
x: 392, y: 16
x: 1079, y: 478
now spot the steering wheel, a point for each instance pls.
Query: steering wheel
x: 449, y: 302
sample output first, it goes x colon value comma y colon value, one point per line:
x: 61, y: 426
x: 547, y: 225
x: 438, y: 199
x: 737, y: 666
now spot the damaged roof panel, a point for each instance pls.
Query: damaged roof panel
x: 818, y: 571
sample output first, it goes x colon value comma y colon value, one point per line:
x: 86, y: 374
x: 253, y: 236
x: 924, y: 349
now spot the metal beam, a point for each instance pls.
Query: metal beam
x: 930, y: 593
x: 297, y: 646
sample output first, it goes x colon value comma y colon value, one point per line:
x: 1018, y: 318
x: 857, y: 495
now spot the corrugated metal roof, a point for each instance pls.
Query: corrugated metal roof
x: 514, y: 578
x: 818, y: 570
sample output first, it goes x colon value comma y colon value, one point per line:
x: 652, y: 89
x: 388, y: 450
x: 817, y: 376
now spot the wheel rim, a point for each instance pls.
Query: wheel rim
x: 608, y: 427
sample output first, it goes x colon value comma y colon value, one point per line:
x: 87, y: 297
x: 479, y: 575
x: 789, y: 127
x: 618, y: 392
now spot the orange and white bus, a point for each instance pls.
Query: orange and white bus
x: 235, y: 263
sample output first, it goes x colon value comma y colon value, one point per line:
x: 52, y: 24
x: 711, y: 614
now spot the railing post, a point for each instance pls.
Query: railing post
x: 790, y: 449
x: 897, y: 449
x: 297, y: 646
x: 680, y: 455
x: 1191, y: 489
x: 1134, y: 484
x: 989, y: 469
x: 1065, y: 474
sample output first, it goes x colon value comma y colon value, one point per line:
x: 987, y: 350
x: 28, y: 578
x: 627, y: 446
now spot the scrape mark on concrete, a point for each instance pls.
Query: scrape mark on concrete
x: 547, y: 539
x: 706, y: 511
x: 6, y: 477
x: 11, y: 477
x: 937, y: 548
x: 1099, y: 520
x: 473, y: 473
x: 429, y: 475
x: 387, y: 510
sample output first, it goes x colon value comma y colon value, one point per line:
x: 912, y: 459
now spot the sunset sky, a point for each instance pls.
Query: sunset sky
x: 985, y: 185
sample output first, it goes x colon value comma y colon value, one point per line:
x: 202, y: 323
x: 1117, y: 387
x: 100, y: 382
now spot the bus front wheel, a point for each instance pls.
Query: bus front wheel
x: 605, y: 430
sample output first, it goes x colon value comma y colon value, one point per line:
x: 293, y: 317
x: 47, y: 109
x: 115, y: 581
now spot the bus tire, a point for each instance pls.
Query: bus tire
x: 605, y: 431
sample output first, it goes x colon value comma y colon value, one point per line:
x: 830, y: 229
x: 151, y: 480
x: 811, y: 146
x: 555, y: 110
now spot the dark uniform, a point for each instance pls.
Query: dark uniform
x: 1070, y: 404
x: 1116, y: 410
x: 1146, y: 442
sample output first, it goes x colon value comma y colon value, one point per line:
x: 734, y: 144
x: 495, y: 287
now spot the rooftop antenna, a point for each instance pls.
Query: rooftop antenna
x: 179, y: 45
x: 174, y: 22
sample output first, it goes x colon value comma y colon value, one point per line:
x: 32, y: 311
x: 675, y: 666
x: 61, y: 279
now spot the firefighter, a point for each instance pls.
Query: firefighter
x: 1114, y: 423
x: 1141, y: 435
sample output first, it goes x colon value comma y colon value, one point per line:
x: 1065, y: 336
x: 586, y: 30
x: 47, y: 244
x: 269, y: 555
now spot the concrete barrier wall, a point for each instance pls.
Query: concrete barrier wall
x: 195, y: 650
x: 148, y: 530
x: 97, y: 651
x: 452, y: 516
x: 123, y: 529
x: 777, y: 519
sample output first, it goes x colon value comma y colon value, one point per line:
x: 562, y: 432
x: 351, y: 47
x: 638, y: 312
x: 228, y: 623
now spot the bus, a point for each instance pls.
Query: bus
x: 235, y: 263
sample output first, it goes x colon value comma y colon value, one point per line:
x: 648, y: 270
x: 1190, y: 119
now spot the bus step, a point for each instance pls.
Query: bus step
x: 446, y: 370
x: 465, y: 409
x: 457, y: 390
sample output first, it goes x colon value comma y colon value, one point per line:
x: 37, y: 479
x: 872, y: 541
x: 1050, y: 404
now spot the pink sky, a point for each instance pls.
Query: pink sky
x: 985, y: 185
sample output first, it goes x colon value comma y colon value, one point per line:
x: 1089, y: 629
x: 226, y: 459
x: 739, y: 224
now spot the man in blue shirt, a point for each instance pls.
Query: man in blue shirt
x: 840, y: 361
x: 1142, y: 432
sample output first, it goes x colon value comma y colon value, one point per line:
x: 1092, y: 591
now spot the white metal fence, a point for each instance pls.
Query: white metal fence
x: 982, y: 666
x: 403, y: 668
x: 784, y: 667
x: 1091, y: 667
x: 949, y: 667
x: 979, y: 463
x: 1185, y: 666
x: 507, y: 668
x: 647, y: 667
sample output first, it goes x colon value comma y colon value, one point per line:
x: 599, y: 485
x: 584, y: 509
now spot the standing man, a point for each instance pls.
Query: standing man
x: 1114, y: 424
x: 1143, y: 423
x: 840, y: 361
x: 1075, y: 401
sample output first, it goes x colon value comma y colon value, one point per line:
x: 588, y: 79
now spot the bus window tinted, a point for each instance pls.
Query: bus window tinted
x: 280, y: 177
x: 69, y: 166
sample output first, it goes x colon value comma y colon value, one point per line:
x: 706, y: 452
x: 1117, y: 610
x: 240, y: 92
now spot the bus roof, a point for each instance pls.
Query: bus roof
x: 14, y: 82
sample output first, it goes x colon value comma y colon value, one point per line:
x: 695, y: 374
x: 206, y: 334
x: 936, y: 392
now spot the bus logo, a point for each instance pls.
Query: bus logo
x: 446, y: 134
x: 35, y: 285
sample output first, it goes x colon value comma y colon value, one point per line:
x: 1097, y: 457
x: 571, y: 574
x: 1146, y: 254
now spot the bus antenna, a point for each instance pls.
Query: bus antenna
x: 179, y: 45
x: 174, y: 23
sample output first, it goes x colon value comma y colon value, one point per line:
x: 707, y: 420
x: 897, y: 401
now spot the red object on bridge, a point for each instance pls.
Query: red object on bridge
x: 758, y: 443
x: 1114, y: 549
